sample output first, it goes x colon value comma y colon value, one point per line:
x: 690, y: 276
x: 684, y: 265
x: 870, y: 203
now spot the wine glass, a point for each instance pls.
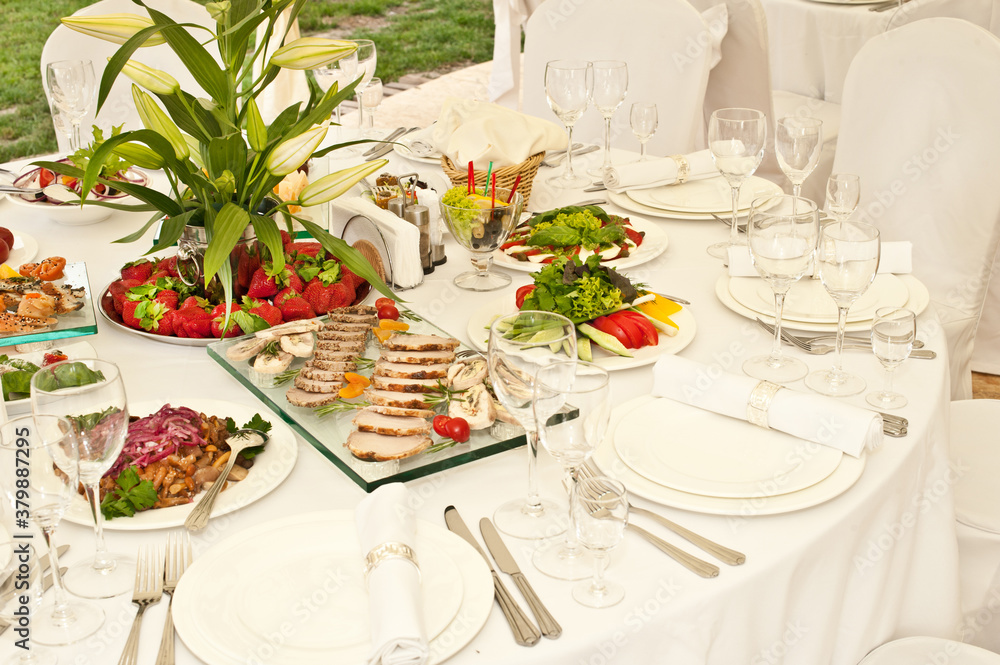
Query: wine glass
x: 90, y: 393
x: 371, y: 98
x: 798, y: 143
x: 847, y: 258
x: 27, y: 562
x: 782, y: 234
x: 340, y: 72
x: 893, y: 332
x: 843, y: 192
x: 736, y: 138
x: 600, y: 513
x: 39, y: 465
x: 72, y: 88
x: 610, y: 87
x: 367, y: 60
x: 482, y: 231
x: 643, y: 120
x: 568, y: 85
x: 519, y: 345
x: 572, y: 408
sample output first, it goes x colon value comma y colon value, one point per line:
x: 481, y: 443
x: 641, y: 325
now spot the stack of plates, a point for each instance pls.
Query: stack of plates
x: 695, y: 200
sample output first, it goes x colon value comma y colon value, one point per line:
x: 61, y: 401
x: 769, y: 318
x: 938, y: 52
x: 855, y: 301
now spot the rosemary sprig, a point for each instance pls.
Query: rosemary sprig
x: 286, y: 376
x: 340, y: 406
x: 410, y: 315
x: 364, y: 363
x: 444, y: 444
x: 440, y: 394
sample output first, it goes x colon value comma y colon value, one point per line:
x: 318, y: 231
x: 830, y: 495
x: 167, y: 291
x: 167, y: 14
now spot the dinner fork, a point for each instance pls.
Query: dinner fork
x: 819, y: 346
x: 178, y: 558
x: 148, y: 591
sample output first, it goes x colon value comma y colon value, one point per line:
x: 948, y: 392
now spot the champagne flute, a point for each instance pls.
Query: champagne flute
x: 568, y: 85
x: 371, y: 98
x: 72, y: 88
x: 847, y: 258
x: 643, y: 120
x: 736, y: 139
x: 610, y: 88
x: 519, y: 345
x: 39, y: 465
x: 367, y: 61
x: 782, y: 234
x: 843, y: 192
x: 90, y: 393
x: 893, y: 332
x: 572, y: 408
x: 340, y: 72
x: 798, y: 144
x: 600, y: 513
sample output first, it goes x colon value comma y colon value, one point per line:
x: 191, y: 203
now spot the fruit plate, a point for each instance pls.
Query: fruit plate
x: 328, y: 433
x: 80, y: 323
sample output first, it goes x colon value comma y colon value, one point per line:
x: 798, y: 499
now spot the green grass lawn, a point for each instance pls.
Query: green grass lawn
x: 412, y: 36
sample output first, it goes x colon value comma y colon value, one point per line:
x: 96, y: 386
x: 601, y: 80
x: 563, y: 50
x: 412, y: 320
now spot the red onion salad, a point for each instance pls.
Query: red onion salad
x: 159, y: 435
x: 30, y: 179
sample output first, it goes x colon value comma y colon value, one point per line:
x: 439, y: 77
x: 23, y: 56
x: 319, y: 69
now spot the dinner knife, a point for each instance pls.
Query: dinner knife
x: 387, y: 145
x: 524, y: 631
x: 375, y: 148
x: 494, y: 543
x: 7, y: 590
x: 46, y: 585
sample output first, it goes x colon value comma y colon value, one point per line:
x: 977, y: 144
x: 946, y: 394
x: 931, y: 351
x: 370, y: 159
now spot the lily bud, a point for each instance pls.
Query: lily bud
x: 140, y: 155
x: 154, y: 80
x: 115, y: 28
x: 311, y: 52
x: 331, y: 186
x: 219, y: 10
x: 226, y: 184
x: 256, y: 129
x: 156, y: 119
x: 294, y: 152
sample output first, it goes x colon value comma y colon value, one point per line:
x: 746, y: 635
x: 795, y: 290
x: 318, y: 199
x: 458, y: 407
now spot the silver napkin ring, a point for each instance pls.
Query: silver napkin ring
x: 390, y: 550
x: 759, y: 401
x: 683, y: 168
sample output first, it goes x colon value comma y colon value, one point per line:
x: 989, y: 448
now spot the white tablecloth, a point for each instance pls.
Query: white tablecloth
x: 823, y: 585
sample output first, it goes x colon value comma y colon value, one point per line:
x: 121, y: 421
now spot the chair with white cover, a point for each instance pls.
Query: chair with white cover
x: 658, y: 39
x: 918, y: 126
x: 66, y: 44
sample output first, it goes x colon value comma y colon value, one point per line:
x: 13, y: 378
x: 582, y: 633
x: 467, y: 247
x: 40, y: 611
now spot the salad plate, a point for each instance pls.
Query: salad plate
x: 710, y: 195
x: 73, y: 351
x: 403, y: 151
x: 71, y: 214
x: 25, y: 248
x: 624, y: 202
x: 270, y: 468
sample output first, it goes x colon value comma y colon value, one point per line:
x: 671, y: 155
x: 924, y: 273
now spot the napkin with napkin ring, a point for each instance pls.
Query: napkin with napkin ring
x: 896, y: 257
x: 402, y: 239
x: 673, y: 170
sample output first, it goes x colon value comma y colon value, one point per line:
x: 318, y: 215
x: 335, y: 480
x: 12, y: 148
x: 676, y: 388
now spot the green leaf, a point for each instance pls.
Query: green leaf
x: 558, y: 236
x: 256, y: 129
x: 229, y: 153
x: 229, y: 225
x: 350, y: 257
x: 268, y: 233
x: 118, y: 60
x: 128, y: 478
x: 132, y: 237
x: 171, y: 231
x: 249, y: 323
x: 180, y: 113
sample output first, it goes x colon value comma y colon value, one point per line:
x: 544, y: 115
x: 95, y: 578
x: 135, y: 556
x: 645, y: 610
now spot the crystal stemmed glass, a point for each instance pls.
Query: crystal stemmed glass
x: 572, y: 408
x: 843, y: 192
x: 482, y: 231
x: 846, y: 258
x: 610, y: 87
x: 798, y: 143
x: 367, y: 60
x: 643, y: 120
x: 72, y: 88
x: 519, y: 345
x: 736, y: 139
x: 893, y: 332
x: 342, y: 72
x: 600, y: 513
x: 39, y: 465
x: 568, y: 85
x: 99, y: 414
x: 27, y: 562
x: 782, y: 232
x: 371, y: 98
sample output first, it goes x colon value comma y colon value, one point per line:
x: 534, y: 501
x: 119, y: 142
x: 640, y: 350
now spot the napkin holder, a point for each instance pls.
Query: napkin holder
x: 506, y: 175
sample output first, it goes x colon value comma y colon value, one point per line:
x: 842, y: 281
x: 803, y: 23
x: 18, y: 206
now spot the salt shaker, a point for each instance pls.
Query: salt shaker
x: 420, y: 217
x: 431, y: 199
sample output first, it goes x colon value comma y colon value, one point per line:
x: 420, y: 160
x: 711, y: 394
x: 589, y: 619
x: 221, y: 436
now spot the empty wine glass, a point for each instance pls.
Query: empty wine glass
x: 643, y: 120
x: 843, y: 192
x: 572, y: 408
x: 610, y: 88
x: 846, y: 258
x: 27, y: 562
x: 600, y: 513
x: 367, y: 61
x: 72, y: 88
x: 798, y: 143
x: 782, y: 232
x: 371, y: 99
x: 519, y: 345
x: 736, y: 139
x: 893, y: 332
x: 340, y: 72
x: 568, y: 85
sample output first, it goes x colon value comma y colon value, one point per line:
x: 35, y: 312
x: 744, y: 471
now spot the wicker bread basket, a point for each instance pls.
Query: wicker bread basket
x: 506, y: 175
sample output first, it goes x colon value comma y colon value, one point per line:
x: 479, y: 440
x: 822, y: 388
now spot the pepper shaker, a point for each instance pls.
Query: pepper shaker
x: 420, y: 217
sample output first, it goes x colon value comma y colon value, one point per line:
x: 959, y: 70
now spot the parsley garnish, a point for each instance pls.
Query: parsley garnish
x: 132, y: 495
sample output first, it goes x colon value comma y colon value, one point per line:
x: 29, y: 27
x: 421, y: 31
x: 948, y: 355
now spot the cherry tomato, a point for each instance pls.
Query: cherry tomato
x: 388, y: 312
x: 45, y: 177
x: 522, y: 293
x: 458, y: 429
x: 382, y: 302
x: 439, y: 423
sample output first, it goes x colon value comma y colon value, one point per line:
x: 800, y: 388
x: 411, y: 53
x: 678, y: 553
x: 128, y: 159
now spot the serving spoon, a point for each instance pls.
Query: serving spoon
x: 59, y: 193
x: 238, y: 442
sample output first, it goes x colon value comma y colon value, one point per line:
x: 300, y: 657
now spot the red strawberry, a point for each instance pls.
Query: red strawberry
x: 283, y: 295
x: 119, y: 290
x: 168, y: 297
x: 295, y: 307
x: 308, y: 248
x: 286, y: 238
x: 155, y: 276
x: 294, y: 282
x: 218, y: 317
x: 129, y: 316
x: 165, y: 325
x: 193, y: 321
x: 264, y: 310
x: 341, y: 295
x: 319, y: 297
x: 168, y: 264
x: 346, y: 275
x: 194, y: 301
x: 262, y: 285
x: 139, y: 270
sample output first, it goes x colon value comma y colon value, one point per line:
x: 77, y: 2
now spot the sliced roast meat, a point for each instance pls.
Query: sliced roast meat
x: 246, y: 349
x: 372, y: 421
x: 381, y: 448
x: 317, y: 374
x: 405, y: 385
x: 421, y: 343
x: 418, y: 357
x: 401, y: 400
x: 398, y: 411
x: 309, y: 400
x: 300, y: 345
x: 342, y: 336
x: 410, y: 371
x: 333, y: 365
x: 335, y: 356
x: 317, y: 386
x: 348, y: 326
x: 357, y: 347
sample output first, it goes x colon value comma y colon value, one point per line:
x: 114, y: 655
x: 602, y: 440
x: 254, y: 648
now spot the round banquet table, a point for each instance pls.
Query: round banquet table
x: 821, y: 585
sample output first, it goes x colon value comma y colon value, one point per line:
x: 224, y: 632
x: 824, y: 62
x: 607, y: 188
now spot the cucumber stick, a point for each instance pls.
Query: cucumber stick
x: 603, y: 340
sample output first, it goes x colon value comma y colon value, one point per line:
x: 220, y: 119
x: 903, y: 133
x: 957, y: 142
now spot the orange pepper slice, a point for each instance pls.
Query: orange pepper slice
x: 389, y: 324
x: 357, y: 378
x: 351, y: 390
x: 382, y: 334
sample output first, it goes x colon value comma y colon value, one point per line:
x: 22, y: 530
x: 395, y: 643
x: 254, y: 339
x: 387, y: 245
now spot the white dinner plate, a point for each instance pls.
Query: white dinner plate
x: 808, y: 301
x: 919, y: 650
x: 306, y: 572
x: 625, y: 203
x: 269, y: 469
x: 710, y: 195
x: 25, y: 249
x: 653, y: 244
x: 404, y: 151
x: 918, y: 300
x: 702, y: 452
x: 73, y: 351
x: 478, y: 331
x: 608, y: 460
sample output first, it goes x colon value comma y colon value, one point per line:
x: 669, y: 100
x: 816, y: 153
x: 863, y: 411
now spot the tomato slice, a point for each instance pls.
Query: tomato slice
x: 637, y: 338
x: 634, y: 235
x: 439, y: 423
x: 45, y: 177
x: 649, y: 331
x: 606, y: 325
x: 522, y: 293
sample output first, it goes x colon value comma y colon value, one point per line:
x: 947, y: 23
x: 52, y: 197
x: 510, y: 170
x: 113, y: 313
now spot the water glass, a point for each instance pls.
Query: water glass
x: 568, y: 86
x: 600, y: 513
x: 893, y: 332
x: 643, y: 120
x: 72, y: 88
x: 610, y: 88
x: 340, y: 73
x: 371, y: 99
x: 798, y: 144
x: 736, y: 139
x: 367, y: 61
x: 843, y: 192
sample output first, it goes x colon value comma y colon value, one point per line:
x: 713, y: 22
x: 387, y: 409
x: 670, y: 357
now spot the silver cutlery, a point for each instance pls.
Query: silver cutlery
x: 595, y: 188
x: 854, y: 339
x: 742, y: 228
x: 46, y: 585
x: 822, y: 345
x: 238, y: 442
x: 7, y: 589
x: 679, y: 301
x: 886, y: 6
x: 387, y: 147
x: 148, y: 591
x: 494, y: 543
x: 524, y: 631
x: 178, y: 558
x: 381, y: 143
x: 556, y: 160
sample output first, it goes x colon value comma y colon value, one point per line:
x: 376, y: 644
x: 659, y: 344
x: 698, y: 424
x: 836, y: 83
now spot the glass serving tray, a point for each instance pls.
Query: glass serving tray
x: 328, y: 434
x: 80, y: 323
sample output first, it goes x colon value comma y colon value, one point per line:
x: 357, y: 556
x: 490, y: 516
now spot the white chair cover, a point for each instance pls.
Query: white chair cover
x: 659, y: 39
x: 66, y: 44
x: 505, y: 77
x: 986, y: 355
x: 919, y: 128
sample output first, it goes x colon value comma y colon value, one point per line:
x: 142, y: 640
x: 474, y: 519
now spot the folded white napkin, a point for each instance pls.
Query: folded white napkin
x: 811, y: 417
x: 896, y: 258
x: 479, y: 132
x: 394, y: 604
x: 658, y: 172
x: 402, y: 239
